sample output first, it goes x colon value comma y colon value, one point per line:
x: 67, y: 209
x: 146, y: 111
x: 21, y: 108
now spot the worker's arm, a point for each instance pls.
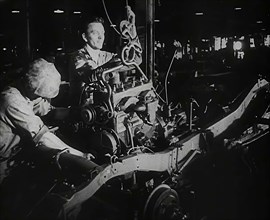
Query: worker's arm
x: 21, y: 117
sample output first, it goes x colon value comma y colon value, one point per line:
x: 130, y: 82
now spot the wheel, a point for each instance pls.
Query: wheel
x: 163, y: 204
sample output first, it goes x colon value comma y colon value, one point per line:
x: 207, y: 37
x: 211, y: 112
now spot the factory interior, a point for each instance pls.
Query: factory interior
x: 182, y: 135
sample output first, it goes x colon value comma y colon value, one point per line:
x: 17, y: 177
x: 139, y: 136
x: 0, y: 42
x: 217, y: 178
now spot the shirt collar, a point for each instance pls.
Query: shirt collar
x: 93, y: 53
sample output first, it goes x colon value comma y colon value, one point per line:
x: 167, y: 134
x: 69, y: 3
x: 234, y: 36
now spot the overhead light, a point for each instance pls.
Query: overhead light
x: 4, y: 48
x: 242, y: 38
x: 251, y: 42
x: 237, y: 45
x: 224, y: 41
x: 259, y: 22
x: 263, y: 29
x: 77, y: 12
x: 267, y: 40
x: 198, y: 13
x: 237, y: 9
x: 217, y: 45
x: 15, y: 11
x: 157, y: 20
x: 58, y: 11
x: 59, y: 48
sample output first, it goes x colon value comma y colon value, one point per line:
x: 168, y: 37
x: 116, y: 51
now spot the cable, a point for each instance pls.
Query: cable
x: 166, y: 78
x: 40, y: 200
x: 133, y: 149
x: 108, y: 17
x: 80, y: 98
x: 141, y: 148
x: 147, y: 148
x: 155, y: 91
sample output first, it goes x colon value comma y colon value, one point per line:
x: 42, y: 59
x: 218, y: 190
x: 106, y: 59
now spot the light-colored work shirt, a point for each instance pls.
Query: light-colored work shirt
x: 19, y: 118
x: 86, y: 57
x: 77, y: 77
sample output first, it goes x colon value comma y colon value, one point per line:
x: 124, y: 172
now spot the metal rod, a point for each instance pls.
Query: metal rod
x: 150, y: 38
x: 190, y: 114
x: 28, y: 45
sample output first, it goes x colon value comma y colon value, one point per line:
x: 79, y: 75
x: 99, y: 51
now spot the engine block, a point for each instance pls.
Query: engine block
x: 123, y: 108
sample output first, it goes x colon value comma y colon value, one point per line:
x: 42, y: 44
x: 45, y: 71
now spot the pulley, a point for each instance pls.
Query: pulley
x: 99, y: 114
x: 88, y: 115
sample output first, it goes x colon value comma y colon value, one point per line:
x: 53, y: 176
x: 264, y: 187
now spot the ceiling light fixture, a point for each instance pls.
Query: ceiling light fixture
x: 237, y: 8
x: 77, y: 12
x: 237, y: 45
x: 205, y: 40
x: 259, y: 22
x: 15, y: 11
x: 58, y: 11
x: 198, y: 13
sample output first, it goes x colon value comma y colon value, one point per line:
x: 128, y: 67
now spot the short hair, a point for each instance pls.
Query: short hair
x: 89, y: 21
x: 42, y: 78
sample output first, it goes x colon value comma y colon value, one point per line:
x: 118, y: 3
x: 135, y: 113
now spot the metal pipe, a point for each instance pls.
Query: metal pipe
x: 190, y: 114
x: 150, y: 38
x: 28, y: 45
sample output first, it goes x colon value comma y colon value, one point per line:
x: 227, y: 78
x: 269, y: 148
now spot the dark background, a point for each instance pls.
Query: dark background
x: 227, y: 187
x: 175, y: 19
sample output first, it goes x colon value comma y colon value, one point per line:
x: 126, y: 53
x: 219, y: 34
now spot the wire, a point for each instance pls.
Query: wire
x: 155, y: 91
x: 40, y: 200
x: 81, y: 94
x: 147, y: 148
x: 133, y: 149
x: 141, y: 148
x: 166, y: 78
x: 108, y: 17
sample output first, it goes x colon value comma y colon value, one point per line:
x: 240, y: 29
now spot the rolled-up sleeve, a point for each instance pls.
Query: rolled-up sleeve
x: 23, y: 119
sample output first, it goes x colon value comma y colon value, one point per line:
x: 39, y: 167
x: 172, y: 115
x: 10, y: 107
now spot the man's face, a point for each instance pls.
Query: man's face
x: 94, y: 35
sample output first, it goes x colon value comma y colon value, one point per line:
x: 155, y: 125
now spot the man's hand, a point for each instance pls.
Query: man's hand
x: 130, y: 15
x: 127, y: 27
x: 131, y: 19
x: 91, y: 64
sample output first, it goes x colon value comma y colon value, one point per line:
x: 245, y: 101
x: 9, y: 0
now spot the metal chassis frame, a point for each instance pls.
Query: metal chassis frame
x: 167, y: 160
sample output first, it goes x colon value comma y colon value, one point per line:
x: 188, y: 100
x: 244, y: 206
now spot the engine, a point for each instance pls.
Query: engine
x: 122, y: 113
x: 121, y: 110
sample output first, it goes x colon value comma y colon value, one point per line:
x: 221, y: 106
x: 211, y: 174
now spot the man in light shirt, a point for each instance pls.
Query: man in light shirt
x: 21, y: 106
x: 92, y: 56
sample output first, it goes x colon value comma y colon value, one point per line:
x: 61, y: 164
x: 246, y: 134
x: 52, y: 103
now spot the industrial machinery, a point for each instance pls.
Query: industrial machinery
x: 142, y: 144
